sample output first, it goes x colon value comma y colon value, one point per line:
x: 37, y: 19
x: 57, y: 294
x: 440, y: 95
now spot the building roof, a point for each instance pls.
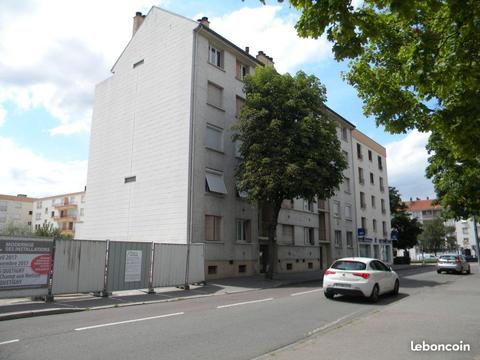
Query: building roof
x: 419, y: 205
x: 17, y: 198
x: 60, y: 195
x: 368, y: 141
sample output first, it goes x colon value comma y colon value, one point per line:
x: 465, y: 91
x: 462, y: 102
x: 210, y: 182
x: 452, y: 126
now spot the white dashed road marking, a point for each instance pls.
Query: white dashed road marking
x: 9, y: 341
x: 128, y: 321
x: 243, y: 303
x: 306, y: 292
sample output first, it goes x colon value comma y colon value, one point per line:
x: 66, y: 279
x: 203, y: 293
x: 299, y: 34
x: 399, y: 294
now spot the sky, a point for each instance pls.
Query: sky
x: 52, y: 53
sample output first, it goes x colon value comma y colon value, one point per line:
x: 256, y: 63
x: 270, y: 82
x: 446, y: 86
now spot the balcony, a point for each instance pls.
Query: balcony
x: 66, y: 205
x: 63, y: 219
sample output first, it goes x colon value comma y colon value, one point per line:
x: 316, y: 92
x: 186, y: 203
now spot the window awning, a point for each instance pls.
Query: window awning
x: 215, y: 183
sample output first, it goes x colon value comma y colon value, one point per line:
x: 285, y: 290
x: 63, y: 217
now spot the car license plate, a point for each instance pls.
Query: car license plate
x: 342, y: 285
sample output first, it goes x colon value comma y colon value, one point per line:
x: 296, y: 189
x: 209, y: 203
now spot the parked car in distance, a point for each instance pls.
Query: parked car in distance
x: 358, y: 276
x: 453, y: 263
x: 470, y: 258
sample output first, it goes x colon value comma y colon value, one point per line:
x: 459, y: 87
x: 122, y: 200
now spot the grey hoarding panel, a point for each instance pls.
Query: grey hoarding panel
x: 128, y: 265
x: 79, y: 266
x: 169, y: 264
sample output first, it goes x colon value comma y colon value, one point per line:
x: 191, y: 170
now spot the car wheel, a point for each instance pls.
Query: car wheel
x: 439, y: 271
x: 468, y: 270
x: 396, y: 288
x: 374, y: 296
x: 329, y: 295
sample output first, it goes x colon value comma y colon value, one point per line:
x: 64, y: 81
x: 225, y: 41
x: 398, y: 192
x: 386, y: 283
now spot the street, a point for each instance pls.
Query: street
x: 433, y: 307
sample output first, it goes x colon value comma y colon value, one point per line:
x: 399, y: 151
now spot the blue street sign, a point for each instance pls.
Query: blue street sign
x: 361, y: 232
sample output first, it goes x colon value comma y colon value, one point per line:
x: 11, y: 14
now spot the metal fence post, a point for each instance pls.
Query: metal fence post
x: 105, y: 292
x: 151, y: 290
x: 50, y: 298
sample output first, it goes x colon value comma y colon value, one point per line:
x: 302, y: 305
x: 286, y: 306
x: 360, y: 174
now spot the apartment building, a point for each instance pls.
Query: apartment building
x: 372, y: 199
x: 162, y: 160
x: 465, y: 233
x: 423, y: 209
x: 15, y: 210
x: 64, y: 212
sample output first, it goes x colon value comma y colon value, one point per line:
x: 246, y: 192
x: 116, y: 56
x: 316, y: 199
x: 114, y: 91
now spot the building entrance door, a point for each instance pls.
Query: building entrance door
x: 263, y: 256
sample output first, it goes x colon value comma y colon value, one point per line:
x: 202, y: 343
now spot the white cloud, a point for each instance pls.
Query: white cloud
x: 407, y: 161
x: 263, y: 28
x: 24, y: 171
x: 52, y: 53
x: 3, y: 115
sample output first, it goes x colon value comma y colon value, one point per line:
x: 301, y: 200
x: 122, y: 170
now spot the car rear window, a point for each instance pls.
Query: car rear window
x: 448, y: 257
x: 349, y: 265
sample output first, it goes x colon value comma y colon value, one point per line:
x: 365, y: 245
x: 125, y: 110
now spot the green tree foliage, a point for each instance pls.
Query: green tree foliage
x: 415, y: 64
x: 48, y: 230
x: 288, y: 144
x: 434, y: 235
x: 407, y: 229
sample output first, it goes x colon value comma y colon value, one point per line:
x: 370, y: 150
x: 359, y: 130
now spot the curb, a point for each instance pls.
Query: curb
x: 35, y: 313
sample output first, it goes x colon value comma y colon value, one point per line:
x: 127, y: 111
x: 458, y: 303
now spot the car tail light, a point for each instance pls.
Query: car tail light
x: 458, y: 261
x: 328, y: 272
x: 363, y: 275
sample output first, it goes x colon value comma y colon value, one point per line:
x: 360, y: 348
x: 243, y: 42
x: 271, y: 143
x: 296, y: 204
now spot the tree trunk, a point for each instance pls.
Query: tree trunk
x: 272, y: 241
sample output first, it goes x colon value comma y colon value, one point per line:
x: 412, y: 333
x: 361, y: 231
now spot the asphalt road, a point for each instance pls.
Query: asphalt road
x: 235, y: 326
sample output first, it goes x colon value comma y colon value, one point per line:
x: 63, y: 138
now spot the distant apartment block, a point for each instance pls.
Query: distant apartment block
x: 162, y: 160
x: 15, y: 210
x: 64, y: 212
x: 372, y: 197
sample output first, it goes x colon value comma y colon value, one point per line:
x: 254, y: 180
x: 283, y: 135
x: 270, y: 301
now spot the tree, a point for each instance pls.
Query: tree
x: 415, y: 66
x: 407, y: 229
x: 48, y: 230
x: 288, y: 144
x: 434, y: 235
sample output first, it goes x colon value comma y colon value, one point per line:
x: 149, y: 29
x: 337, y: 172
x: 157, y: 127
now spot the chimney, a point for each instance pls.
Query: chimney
x: 428, y: 198
x: 247, y: 49
x: 137, y: 21
x: 265, y: 59
x: 418, y: 198
x: 410, y: 199
x: 204, y: 21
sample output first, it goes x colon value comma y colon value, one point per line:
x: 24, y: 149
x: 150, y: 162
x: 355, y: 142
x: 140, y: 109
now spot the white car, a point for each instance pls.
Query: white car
x: 360, y: 276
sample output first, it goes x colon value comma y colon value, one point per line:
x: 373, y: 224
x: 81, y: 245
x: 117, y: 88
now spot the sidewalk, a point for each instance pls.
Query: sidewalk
x: 25, y: 307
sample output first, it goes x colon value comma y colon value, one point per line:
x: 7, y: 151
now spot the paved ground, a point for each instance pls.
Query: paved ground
x: 240, y: 325
x: 439, y: 309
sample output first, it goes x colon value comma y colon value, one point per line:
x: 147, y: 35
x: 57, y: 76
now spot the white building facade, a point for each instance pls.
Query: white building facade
x: 162, y: 160
x: 372, y: 198
x: 64, y: 212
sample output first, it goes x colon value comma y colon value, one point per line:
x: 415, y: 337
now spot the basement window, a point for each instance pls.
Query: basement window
x: 289, y: 266
x: 242, y: 268
x: 138, y: 63
x: 130, y: 179
x: 212, y: 270
x: 310, y: 265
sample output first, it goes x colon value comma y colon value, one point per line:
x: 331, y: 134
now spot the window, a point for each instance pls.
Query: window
x: 70, y: 226
x: 52, y: 214
x: 344, y: 134
x: 336, y: 208
x: 239, y: 102
x: 214, y: 182
x: 242, y: 70
x: 346, y: 181
x: 242, y: 268
x: 83, y: 199
x: 380, y: 165
x: 39, y: 205
x: 288, y: 234
x: 322, y: 227
x: 30, y: 212
x: 364, y: 224
x: 130, y: 179
x: 361, y: 179
x: 370, y: 155
x: 213, y: 227
x: 289, y: 266
x: 214, y: 138
x: 465, y: 231
x: 212, y: 269
x: 215, y: 56
x: 384, y: 228
x: 349, y: 265
x: 382, y: 188
x: 38, y: 216
x: 382, y: 201
x: 309, y: 236
x: 372, y: 179
x: 338, y: 238
x: 82, y: 212
x: 359, y: 151
x: 307, y: 205
x: 374, y: 203
x: 215, y: 95
x: 374, y: 225
x: 348, y: 212
x: 349, y: 239
x: 363, y: 204
x: 243, y: 229
x: 138, y: 63
x: 345, y: 153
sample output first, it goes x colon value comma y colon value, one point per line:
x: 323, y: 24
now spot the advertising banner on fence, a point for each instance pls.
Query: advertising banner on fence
x: 24, y: 263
